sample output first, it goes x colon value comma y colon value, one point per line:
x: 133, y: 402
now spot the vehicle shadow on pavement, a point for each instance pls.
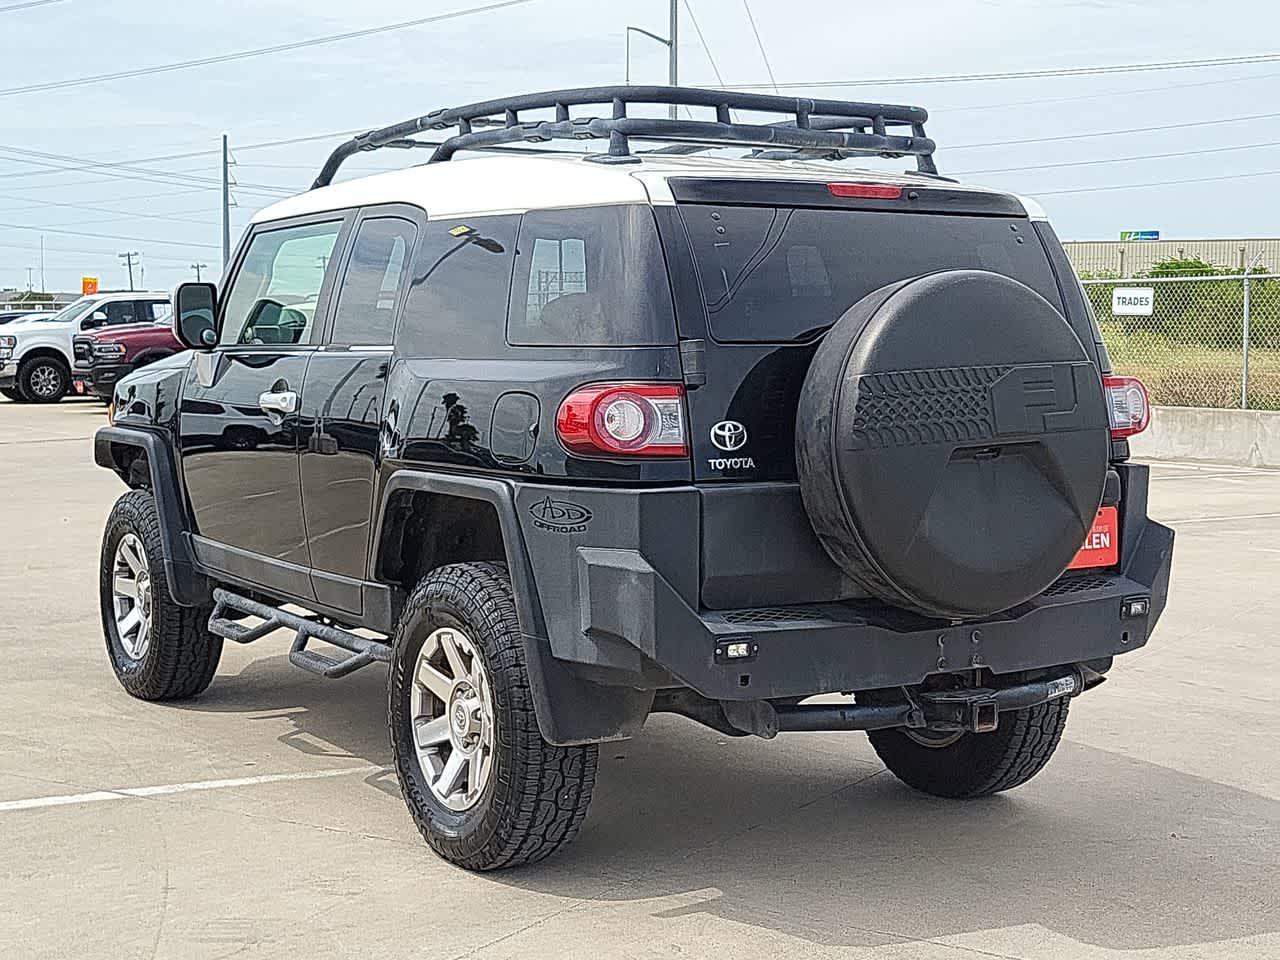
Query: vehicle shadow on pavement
x: 807, y: 835
x: 343, y: 720
x: 1100, y: 848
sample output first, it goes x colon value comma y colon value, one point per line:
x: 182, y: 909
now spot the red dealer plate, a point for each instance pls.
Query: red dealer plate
x: 1102, y: 545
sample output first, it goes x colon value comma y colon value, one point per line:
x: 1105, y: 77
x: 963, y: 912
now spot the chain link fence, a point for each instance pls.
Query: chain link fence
x: 1195, y: 341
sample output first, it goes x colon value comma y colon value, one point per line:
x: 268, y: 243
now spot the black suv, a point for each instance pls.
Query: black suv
x: 575, y: 438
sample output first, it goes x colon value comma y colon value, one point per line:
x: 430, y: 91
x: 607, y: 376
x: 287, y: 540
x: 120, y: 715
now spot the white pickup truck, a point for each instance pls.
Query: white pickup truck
x: 36, y: 353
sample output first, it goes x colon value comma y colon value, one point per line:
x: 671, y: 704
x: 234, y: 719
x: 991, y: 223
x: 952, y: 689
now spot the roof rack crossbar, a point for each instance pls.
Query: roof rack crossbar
x: 840, y: 127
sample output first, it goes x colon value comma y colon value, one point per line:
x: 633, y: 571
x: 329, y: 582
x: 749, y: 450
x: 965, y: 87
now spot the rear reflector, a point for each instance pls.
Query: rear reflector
x: 866, y: 191
x: 1128, y: 406
x: 1102, y: 546
x: 627, y: 419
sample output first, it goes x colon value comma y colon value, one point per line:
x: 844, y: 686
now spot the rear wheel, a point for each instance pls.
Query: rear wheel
x: 43, y: 379
x: 158, y: 649
x: 969, y: 765
x: 485, y: 790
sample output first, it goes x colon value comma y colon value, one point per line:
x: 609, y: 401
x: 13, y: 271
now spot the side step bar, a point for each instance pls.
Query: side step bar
x: 363, y: 650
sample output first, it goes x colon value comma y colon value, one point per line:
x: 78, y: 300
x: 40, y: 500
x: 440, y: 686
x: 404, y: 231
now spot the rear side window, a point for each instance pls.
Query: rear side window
x: 366, y: 310
x: 590, y: 276
x: 457, y: 302
x: 781, y: 274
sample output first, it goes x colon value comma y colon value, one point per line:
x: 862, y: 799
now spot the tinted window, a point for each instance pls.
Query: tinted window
x: 119, y: 311
x: 274, y: 295
x: 457, y: 303
x: 366, y: 310
x: 152, y: 311
x: 778, y: 274
x: 591, y: 276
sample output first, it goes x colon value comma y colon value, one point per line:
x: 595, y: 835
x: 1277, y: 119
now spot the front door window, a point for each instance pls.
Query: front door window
x: 273, y: 299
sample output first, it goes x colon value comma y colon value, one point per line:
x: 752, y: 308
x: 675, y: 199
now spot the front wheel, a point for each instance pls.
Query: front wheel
x: 968, y: 765
x: 158, y: 649
x: 485, y: 790
x: 43, y: 379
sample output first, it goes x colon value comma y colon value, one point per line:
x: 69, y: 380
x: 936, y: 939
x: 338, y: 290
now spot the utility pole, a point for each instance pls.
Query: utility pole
x: 129, y: 258
x: 673, y: 73
x: 29, y: 287
x: 226, y: 203
x: 197, y: 267
x: 42, y: 287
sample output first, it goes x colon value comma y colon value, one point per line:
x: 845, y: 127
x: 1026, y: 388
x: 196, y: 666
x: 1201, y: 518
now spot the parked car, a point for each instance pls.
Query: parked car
x: 7, y: 316
x: 566, y: 440
x: 104, y: 356
x: 36, y: 356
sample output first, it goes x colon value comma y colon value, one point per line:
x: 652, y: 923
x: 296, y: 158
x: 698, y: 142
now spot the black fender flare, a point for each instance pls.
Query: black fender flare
x: 187, y: 585
x: 570, y: 708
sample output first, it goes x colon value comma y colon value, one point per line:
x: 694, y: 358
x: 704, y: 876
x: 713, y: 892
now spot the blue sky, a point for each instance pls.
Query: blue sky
x: 545, y: 44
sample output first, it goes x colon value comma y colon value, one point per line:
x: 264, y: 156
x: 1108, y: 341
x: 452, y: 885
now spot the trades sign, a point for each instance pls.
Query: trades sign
x: 1139, y: 234
x: 1133, y: 301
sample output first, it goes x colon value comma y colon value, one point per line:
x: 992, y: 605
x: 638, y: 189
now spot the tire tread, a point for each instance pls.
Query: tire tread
x: 547, y: 788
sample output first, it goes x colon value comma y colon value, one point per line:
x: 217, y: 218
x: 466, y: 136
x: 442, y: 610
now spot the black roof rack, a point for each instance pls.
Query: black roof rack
x: 829, y: 128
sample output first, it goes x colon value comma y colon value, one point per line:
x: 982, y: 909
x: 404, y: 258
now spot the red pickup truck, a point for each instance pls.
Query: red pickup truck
x: 106, y: 355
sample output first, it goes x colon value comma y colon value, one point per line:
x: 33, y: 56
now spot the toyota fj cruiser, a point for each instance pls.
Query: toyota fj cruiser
x: 574, y: 438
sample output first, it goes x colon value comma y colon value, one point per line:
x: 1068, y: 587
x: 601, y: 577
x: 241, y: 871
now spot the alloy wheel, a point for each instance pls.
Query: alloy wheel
x: 131, y: 596
x: 451, y: 709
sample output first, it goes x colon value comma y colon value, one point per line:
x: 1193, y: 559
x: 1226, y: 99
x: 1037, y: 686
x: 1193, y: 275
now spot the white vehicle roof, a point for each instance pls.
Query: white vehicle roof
x: 494, y: 184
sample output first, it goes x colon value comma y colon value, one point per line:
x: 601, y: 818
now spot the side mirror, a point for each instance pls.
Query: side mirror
x: 195, y: 305
x: 96, y: 319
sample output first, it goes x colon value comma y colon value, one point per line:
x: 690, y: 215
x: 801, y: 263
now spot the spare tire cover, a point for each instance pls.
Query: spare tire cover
x: 952, y: 443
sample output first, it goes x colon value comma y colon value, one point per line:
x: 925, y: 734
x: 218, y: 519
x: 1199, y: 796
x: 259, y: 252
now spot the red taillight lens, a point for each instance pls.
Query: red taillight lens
x: 629, y: 419
x: 866, y: 191
x: 1127, y: 405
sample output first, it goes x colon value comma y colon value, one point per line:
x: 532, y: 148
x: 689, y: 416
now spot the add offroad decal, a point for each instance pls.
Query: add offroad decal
x: 559, y: 516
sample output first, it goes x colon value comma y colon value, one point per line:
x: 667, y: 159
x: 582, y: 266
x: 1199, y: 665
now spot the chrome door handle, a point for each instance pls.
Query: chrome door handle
x: 283, y: 403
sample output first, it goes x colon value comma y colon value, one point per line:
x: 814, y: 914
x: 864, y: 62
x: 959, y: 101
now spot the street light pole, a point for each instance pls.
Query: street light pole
x: 672, y: 44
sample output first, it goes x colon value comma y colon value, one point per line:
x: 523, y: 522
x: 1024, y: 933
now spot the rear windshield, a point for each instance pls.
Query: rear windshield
x: 781, y: 274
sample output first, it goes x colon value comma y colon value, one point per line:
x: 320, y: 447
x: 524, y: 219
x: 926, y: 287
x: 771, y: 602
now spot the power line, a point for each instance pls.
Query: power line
x: 1113, y: 133
x: 88, y: 253
x: 258, y: 52
x: 107, y: 236
x: 1156, y: 183
x: 1145, y: 156
x: 773, y: 81
x: 703, y: 40
x: 29, y: 3
x: 1024, y: 74
x: 1106, y: 93
x: 123, y: 214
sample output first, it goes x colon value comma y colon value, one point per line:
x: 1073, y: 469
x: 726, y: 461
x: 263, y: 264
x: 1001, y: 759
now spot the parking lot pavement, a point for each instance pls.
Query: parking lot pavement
x: 279, y: 833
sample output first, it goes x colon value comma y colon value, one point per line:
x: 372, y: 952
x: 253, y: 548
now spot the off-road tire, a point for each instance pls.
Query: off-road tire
x: 537, y: 794
x: 27, y: 369
x: 12, y: 393
x: 978, y: 764
x: 182, y: 656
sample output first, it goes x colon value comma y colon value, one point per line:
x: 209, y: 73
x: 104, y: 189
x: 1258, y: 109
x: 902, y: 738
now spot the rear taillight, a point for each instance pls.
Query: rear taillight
x: 626, y: 419
x: 1127, y: 405
x: 865, y: 191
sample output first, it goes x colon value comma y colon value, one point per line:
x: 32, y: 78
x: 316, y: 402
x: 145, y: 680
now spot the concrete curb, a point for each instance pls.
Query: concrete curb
x: 1246, y: 437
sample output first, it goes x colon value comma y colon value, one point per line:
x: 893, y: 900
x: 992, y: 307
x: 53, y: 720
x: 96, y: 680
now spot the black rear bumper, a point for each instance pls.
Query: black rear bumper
x: 629, y: 611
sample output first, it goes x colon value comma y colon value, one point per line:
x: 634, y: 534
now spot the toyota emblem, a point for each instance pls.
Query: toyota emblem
x: 729, y: 435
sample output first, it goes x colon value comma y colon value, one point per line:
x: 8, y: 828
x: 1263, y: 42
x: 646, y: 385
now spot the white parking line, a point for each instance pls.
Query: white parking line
x: 1245, y: 516
x: 124, y: 793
